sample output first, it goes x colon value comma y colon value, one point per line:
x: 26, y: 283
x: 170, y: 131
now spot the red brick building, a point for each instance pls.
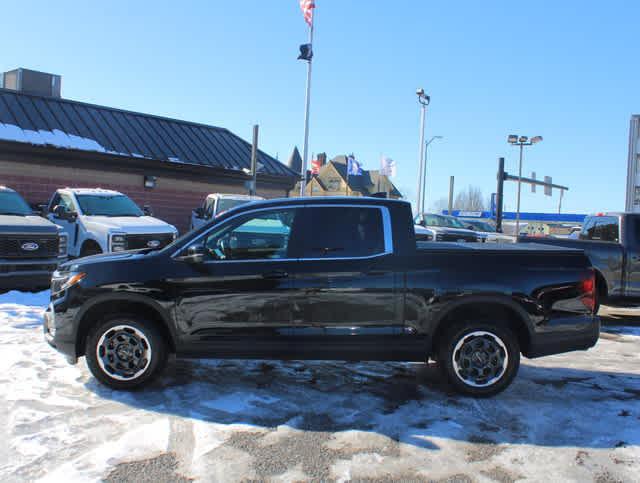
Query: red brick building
x: 47, y: 142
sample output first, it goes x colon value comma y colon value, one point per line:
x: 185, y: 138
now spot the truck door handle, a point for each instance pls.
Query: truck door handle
x: 276, y: 274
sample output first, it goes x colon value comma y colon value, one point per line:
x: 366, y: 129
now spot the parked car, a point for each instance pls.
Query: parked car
x: 486, y: 229
x: 338, y: 279
x: 612, y: 243
x: 101, y: 221
x: 217, y: 203
x: 433, y: 227
x: 30, y: 247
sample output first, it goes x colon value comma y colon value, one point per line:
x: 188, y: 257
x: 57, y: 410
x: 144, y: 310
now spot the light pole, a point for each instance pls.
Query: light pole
x: 521, y: 141
x: 423, y: 196
x: 424, y: 100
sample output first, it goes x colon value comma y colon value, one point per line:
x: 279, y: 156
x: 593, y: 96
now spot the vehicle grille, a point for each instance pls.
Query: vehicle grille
x: 135, y: 242
x: 452, y: 237
x: 13, y: 246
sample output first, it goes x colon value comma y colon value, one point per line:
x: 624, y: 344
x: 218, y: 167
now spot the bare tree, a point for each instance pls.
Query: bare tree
x: 439, y: 205
x: 470, y: 200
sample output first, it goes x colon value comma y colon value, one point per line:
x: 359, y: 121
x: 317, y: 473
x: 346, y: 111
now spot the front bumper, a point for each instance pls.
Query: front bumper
x: 564, y: 334
x: 27, y: 274
x: 59, y: 333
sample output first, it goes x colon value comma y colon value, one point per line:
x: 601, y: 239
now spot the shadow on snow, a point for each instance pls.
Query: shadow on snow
x: 409, y: 403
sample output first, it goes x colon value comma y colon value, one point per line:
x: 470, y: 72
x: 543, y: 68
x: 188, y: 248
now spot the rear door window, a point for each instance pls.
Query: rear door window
x: 343, y: 232
x: 606, y: 228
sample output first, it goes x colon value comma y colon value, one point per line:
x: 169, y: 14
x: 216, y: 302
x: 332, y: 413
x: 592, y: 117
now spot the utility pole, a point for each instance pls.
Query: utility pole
x: 500, y: 195
x: 305, y: 149
x: 424, y: 100
x: 423, y: 196
x: 451, y: 182
x: 521, y: 141
x: 254, y: 161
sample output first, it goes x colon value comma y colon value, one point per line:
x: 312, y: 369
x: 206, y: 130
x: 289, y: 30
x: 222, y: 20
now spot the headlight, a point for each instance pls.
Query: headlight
x: 62, y: 244
x: 64, y: 281
x: 118, y: 242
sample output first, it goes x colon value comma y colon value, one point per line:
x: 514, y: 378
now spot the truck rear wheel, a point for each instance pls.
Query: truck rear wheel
x: 125, y: 351
x: 479, y: 359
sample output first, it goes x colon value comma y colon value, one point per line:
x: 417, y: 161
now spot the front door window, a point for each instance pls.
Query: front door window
x: 259, y: 236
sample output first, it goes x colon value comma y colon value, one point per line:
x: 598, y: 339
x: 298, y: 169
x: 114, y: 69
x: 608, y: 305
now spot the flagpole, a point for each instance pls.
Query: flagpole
x: 305, y: 150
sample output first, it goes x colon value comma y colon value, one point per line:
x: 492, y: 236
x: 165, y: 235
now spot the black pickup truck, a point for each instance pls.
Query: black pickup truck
x: 30, y: 246
x: 323, y: 278
x: 612, y: 243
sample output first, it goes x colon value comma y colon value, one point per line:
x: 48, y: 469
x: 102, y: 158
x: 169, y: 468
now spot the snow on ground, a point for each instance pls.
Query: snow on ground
x: 568, y: 417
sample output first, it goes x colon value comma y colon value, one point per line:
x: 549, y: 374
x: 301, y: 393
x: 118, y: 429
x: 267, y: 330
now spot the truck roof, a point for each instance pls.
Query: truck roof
x: 234, y: 196
x: 325, y: 200
x: 91, y: 191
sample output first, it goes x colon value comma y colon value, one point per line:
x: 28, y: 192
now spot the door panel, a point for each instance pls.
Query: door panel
x: 235, y: 299
x: 348, y: 296
x: 238, y: 300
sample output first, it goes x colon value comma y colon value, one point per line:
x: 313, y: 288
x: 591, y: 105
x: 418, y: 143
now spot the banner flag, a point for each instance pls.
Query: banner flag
x: 353, y: 167
x: 387, y: 167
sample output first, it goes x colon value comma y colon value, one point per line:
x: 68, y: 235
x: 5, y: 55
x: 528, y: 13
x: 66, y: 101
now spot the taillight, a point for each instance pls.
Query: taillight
x: 588, y: 289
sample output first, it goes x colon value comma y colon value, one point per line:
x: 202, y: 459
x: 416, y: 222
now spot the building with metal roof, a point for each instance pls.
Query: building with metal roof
x: 47, y: 142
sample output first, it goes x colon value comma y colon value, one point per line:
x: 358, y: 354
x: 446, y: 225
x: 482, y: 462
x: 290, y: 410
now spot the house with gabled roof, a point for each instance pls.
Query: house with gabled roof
x: 332, y: 180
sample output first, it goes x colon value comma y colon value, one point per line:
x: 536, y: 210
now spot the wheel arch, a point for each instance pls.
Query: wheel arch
x: 499, y: 309
x: 91, y: 241
x: 129, y: 304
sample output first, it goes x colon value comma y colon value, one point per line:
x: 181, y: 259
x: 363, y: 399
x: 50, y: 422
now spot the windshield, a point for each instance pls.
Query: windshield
x: 11, y: 203
x: 225, y: 204
x: 454, y: 222
x: 108, y: 205
x: 481, y: 225
x: 442, y: 221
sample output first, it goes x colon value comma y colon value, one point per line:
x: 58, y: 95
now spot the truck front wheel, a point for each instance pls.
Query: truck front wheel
x: 479, y: 359
x: 125, y: 351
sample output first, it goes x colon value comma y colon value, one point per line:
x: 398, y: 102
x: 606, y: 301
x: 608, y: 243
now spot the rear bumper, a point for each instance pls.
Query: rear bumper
x: 564, y: 335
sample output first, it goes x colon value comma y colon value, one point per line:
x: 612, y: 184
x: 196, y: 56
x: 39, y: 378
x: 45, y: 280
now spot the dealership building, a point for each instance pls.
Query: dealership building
x: 633, y: 166
x: 47, y: 142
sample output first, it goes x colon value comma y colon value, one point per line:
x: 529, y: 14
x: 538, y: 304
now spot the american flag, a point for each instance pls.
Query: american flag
x: 307, y: 7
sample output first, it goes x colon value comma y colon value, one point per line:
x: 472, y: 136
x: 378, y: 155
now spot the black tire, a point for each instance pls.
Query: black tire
x: 90, y: 249
x: 479, y: 359
x: 136, y: 360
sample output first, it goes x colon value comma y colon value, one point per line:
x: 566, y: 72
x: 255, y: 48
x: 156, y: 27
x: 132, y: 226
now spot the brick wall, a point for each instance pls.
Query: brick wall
x: 171, y: 200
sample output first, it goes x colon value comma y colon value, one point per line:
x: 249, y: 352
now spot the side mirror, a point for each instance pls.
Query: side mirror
x: 146, y: 209
x: 195, y: 254
x: 199, y: 212
x: 470, y: 227
x: 59, y: 211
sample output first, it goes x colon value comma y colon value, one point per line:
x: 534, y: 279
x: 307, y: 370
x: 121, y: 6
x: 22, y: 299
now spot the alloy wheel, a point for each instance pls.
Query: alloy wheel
x: 480, y: 358
x: 123, y: 352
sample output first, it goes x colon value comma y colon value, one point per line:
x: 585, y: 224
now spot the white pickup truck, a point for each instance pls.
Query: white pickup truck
x: 102, y: 221
x: 217, y: 203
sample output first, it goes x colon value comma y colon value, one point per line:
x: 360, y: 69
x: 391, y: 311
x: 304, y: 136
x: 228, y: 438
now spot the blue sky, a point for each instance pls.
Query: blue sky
x: 565, y: 70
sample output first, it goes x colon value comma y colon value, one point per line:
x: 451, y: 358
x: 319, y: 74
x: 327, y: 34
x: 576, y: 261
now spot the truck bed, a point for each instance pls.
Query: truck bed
x: 498, y: 247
